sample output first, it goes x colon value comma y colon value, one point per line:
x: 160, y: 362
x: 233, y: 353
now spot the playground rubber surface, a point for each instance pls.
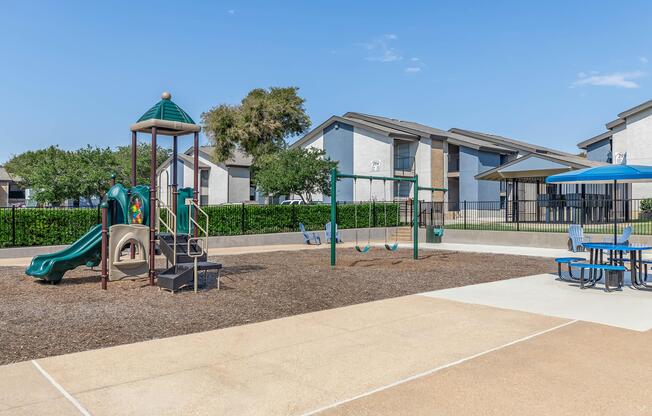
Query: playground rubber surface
x: 39, y: 320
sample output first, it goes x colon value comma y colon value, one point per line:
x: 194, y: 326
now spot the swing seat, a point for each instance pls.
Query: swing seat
x: 391, y: 247
x: 363, y: 249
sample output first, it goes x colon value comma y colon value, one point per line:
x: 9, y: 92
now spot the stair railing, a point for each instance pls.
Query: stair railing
x: 191, y: 221
x: 170, y: 218
x: 201, y: 242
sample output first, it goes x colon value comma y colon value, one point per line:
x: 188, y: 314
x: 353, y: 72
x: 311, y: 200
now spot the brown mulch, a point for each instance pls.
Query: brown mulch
x: 40, y: 320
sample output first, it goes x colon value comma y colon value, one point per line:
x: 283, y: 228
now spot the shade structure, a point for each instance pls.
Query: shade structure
x: 605, y: 174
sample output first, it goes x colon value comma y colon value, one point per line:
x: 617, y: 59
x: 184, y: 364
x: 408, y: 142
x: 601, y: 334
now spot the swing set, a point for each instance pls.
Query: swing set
x: 364, y: 249
x: 393, y: 246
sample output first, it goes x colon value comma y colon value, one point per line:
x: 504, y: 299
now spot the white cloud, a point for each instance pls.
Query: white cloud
x: 391, y: 36
x: 616, y: 79
x: 413, y: 69
x: 381, y: 50
x: 414, y: 59
x: 230, y: 11
x: 643, y: 60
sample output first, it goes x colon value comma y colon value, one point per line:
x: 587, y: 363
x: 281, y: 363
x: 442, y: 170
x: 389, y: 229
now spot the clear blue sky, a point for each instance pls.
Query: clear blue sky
x: 551, y: 73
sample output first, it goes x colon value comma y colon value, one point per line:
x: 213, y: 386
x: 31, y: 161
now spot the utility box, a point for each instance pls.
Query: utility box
x: 434, y: 234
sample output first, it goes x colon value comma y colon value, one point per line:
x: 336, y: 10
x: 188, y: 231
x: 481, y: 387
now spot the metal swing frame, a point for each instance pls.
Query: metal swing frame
x: 367, y: 246
x: 335, y: 175
x: 394, y: 245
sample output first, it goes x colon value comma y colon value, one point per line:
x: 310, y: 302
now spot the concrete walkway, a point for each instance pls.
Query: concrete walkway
x: 294, y: 365
x: 476, y: 248
x: 409, y: 355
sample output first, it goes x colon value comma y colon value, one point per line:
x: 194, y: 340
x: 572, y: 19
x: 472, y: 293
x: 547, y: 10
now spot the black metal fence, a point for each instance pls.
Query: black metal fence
x: 50, y: 226
x: 597, y: 215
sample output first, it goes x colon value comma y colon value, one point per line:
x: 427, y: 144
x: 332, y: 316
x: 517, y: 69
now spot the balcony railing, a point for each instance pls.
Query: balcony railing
x: 404, y: 165
x: 453, y: 162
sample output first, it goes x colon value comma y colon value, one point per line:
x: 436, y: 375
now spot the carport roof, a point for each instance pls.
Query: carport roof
x: 536, y: 165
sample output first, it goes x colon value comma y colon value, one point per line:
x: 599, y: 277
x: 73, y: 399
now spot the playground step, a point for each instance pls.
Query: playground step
x: 181, y: 275
x: 166, y: 243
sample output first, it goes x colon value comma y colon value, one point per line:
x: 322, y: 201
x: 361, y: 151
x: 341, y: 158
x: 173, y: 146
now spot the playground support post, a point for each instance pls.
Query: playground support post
x: 134, y: 152
x: 152, y: 212
x: 333, y: 215
x: 415, y: 219
x: 105, y: 241
x: 195, y: 197
x: 175, y: 155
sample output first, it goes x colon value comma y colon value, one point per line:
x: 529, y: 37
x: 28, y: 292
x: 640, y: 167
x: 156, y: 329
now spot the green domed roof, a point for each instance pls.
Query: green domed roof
x: 167, y: 110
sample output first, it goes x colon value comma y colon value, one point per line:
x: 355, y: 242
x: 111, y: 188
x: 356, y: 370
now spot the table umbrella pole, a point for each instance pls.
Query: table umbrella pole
x: 615, y: 216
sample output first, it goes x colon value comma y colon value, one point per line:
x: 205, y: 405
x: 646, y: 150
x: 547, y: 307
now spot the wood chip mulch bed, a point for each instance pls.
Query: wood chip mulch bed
x: 39, y: 320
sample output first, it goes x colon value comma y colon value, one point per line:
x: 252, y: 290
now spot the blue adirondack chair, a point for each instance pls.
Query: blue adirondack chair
x: 622, y: 239
x: 577, y: 237
x: 328, y: 233
x: 309, y: 238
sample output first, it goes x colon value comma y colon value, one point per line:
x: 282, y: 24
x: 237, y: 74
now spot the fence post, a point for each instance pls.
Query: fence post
x: 242, y: 218
x: 465, y: 214
x: 13, y: 225
x: 518, y: 217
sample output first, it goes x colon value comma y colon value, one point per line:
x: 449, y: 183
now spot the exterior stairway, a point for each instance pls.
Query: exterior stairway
x: 181, y: 273
x: 402, y: 234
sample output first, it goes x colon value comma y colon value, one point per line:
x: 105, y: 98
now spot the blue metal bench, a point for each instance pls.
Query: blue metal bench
x: 568, y: 261
x: 598, y: 267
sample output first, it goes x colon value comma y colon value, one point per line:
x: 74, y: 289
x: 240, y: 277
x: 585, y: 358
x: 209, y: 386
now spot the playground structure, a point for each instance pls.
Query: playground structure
x: 335, y: 176
x: 136, y: 222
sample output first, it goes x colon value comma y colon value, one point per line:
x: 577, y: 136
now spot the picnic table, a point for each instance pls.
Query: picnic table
x: 616, y: 256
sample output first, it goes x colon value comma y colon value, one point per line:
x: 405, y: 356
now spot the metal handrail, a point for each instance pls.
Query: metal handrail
x: 171, y: 218
x: 192, y: 221
x: 200, y: 242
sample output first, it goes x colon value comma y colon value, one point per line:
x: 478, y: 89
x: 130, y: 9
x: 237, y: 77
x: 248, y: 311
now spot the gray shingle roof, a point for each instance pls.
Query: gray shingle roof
x: 239, y: 158
x: 4, y: 175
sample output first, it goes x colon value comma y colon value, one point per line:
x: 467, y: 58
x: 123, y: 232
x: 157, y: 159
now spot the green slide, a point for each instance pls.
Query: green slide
x: 86, y: 250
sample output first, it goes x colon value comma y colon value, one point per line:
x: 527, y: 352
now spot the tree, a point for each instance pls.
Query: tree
x: 143, y: 163
x: 50, y: 173
x: 259, y: 125
x: 94, y: 167
x: 55, y: 175
x: 295, y: 171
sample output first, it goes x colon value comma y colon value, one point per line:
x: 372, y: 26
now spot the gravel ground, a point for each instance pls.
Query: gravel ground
x: 40, y: 320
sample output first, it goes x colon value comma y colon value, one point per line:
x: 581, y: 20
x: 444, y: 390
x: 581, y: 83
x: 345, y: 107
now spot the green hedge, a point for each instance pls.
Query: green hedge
x: 263, y: 219
x: 44, y: 226
x: 51, y: 226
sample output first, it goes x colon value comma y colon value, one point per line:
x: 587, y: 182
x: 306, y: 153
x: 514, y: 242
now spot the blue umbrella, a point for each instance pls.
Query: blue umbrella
x: 606, y: 174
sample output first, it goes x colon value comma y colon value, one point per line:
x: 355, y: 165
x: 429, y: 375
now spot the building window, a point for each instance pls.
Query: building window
x: 252, y: 192
x: 203, y: 200
x: 204, y: 178
x: 402, y: 189
x: 15, y: 192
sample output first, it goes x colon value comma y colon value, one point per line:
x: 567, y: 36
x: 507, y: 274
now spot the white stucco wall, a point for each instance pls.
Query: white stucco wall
x: 634, y: 140
x: 371, y: 150
x: 218, y: 182
x: 238, y: 184
x: 423, y: 166
x: 316, y: 142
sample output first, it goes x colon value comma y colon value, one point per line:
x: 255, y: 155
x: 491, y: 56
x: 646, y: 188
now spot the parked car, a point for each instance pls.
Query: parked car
x: 293, y: 202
